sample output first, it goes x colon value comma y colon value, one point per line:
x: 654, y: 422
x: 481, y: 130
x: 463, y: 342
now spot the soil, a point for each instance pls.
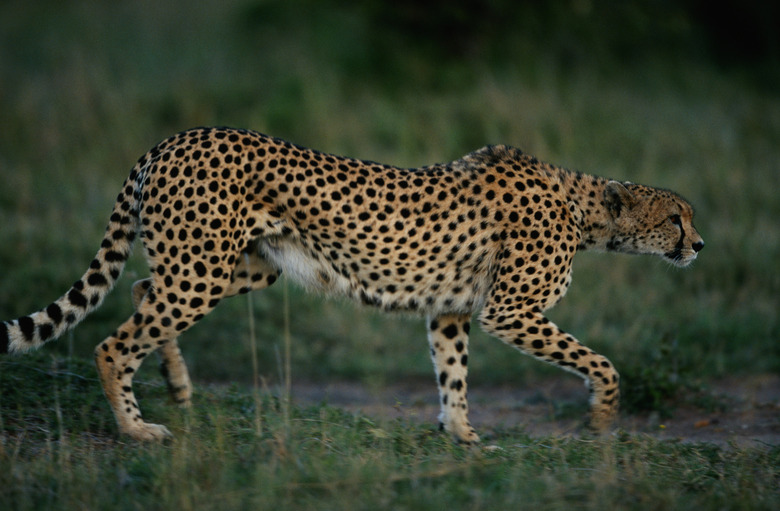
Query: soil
x: 748, y: 415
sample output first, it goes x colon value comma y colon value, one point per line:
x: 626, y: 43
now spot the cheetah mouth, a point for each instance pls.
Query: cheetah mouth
x: 681, y: 258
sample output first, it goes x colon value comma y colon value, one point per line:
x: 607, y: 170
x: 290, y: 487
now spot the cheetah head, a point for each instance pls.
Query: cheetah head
x: 648, y: 220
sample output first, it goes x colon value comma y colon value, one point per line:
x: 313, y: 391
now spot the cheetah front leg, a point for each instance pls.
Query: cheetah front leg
x: 532, y: 333
x: 448, y: 337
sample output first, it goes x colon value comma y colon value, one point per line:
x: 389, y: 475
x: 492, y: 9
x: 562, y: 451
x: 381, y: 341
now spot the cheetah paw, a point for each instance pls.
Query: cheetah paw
x: 602, y: 419
x: 464, y: 435
x: 147, y: 432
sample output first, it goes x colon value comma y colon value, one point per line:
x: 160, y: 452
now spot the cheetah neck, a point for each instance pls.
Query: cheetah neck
x: 586, y: 200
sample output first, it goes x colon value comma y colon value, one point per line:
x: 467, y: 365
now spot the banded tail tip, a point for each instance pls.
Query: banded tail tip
x: 5, y: 341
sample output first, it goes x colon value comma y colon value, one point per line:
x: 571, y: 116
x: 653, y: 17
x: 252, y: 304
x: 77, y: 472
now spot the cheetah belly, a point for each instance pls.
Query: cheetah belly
x: 295, y: 261
x: 315, y: 272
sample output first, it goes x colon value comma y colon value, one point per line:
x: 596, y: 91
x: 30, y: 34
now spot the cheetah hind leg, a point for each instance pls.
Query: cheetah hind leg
x: 448, y: 336
x: 172, y: 365
x: 120, y: 355
x: 118, y: 358
x: 251, y: 273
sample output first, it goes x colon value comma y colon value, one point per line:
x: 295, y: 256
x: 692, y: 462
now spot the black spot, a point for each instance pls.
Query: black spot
x: 97, y: 279
x: 3, y: 338
x: 27, y: 326
x: 200, y: 269
x: 55, y: 313
x: 450, y: 331
x: 45, y: 331
x: 77, y: 299
x: 112, y: 256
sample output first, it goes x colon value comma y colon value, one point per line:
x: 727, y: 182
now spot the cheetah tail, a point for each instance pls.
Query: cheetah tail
x: 85, y: 295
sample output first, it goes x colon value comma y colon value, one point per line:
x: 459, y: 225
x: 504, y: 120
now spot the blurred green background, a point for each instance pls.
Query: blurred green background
x: 682, y: 95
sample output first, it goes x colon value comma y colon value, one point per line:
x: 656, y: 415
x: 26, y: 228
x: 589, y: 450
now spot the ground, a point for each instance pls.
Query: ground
x: 751, y: 417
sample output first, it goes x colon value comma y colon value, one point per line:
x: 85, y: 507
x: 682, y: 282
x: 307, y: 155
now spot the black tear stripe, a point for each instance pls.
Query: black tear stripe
x: 680, y: 245
x: 677, y: 252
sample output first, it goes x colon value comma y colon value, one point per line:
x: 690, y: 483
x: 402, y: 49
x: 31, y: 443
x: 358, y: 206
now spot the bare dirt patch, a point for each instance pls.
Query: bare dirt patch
x: 750, y: 417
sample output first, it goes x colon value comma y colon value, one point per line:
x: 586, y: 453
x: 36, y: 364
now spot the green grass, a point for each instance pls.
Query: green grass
x: 58, y: 451
x: 86, y: 87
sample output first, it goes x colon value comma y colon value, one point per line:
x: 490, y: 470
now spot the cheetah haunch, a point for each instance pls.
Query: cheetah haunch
x: 224, y: 211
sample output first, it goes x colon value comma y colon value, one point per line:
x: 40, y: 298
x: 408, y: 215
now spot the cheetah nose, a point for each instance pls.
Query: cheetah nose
x: 697, y: 246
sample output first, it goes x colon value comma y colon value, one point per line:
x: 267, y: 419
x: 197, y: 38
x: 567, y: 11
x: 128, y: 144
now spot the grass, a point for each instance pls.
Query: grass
x: 320, y: 457
x: 87, y: 87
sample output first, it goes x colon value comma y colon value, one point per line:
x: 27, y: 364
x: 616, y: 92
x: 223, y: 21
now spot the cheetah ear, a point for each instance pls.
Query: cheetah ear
x: 617, y: 197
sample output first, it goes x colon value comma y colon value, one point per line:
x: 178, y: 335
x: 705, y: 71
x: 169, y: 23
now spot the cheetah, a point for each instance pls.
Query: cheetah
x: 224, y: 211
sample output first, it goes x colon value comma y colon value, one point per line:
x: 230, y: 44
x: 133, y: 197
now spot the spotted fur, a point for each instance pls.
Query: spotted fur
x: 223, y: 211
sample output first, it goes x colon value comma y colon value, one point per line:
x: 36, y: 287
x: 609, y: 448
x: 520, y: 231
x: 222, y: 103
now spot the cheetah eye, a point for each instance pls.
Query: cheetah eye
x: 676, y: 220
